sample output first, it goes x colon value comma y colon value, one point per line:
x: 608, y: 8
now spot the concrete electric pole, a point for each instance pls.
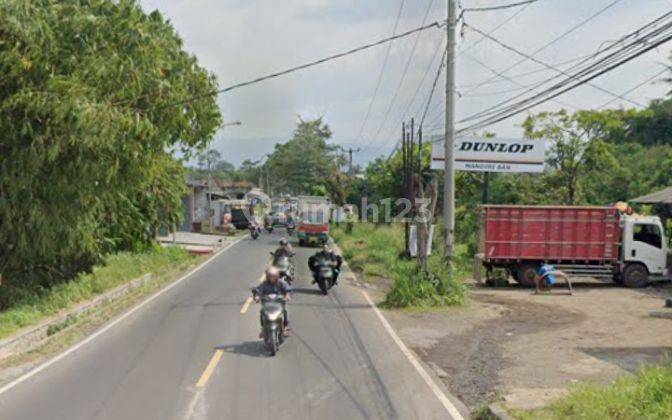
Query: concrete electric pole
x: 350, y: 152
x: 449, y: 174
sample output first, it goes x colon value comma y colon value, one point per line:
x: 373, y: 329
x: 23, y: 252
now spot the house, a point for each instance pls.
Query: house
x: 206, y: 200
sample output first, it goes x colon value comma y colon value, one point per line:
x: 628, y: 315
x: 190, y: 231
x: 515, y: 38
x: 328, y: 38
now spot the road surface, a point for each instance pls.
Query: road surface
x: 193, y: 353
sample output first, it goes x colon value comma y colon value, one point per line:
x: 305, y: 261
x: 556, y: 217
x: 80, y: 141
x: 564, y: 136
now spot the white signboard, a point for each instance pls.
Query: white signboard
x: 493, y: 155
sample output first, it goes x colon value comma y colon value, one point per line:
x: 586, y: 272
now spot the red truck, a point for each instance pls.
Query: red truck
x: 581, y: 241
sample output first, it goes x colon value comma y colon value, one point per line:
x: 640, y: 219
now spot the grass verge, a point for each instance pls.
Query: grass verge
x: 646, y: 395
x: 30, y: 309
x: 373, y: 251
x: 83, y: 325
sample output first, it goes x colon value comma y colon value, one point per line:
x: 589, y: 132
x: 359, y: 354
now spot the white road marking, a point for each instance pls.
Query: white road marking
x: 107, y: 327
x: 445, y: 401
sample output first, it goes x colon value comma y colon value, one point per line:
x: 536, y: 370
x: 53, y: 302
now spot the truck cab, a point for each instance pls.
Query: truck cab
x: 644, y: 245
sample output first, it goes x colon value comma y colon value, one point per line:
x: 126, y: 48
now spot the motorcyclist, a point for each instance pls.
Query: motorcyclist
x: 285, y: 248
x: 273, y: 284
x: 328, y: 254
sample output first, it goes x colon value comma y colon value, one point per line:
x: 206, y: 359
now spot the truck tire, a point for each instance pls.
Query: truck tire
x: 635, y: 276
x: 525, y: 274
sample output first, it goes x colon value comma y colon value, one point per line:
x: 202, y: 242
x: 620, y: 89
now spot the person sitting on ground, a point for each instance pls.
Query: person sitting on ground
x: 545, y: 278
x: 273, y: 285
x: 328, y: 254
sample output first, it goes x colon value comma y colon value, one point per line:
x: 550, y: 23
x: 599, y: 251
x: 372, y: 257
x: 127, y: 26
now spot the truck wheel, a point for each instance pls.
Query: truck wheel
x: 617, y: 278
x: 525, y: 274
x: 635, y: 276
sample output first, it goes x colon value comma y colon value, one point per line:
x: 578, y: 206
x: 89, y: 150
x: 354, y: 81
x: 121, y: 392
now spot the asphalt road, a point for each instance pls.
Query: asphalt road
x: 192, y: 354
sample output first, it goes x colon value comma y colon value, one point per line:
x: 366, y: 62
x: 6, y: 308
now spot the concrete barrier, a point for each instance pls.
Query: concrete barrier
x: 31, y: 337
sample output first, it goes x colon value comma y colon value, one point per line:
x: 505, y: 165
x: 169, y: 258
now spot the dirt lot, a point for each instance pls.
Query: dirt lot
x: 525, y: 349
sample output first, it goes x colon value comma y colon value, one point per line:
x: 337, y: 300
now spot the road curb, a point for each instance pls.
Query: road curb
x: 497, y: 412
x: 29, y: 339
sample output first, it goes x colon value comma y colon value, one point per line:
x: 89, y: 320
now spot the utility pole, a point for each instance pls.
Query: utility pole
x: 350, y: 152
x: 449, y: 172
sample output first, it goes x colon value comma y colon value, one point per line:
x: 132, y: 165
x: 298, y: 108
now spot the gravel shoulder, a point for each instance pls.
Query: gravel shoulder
x: 508, y: 344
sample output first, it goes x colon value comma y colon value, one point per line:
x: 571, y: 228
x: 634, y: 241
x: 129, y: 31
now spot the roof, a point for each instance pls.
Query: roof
x: 658, y: 197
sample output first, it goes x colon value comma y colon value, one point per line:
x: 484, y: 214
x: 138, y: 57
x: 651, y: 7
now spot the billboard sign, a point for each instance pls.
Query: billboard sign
x: 476, y: 154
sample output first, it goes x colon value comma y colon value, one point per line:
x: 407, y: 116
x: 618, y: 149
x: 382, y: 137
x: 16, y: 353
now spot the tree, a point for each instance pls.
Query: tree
x: 306, y: 162
x: 94, y: 98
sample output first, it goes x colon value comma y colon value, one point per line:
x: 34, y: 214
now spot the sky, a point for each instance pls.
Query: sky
x: 239, y: 40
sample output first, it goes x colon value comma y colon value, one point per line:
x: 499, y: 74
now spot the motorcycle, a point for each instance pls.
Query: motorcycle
x: 273, y: 321
x: 268, y: 225
x: 284, y: 264
x: 325, y: 275
x: 291, y: 226
x: 255, y: 230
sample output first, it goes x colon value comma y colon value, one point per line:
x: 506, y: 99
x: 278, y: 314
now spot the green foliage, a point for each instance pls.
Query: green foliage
x: 373, y: 251
x: 306, y: 162
x: 22, y: 306
x: 646, y: 395
x: 89, y: 120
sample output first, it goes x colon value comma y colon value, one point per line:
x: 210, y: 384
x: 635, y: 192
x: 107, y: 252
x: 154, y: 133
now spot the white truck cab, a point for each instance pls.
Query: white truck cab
x: 644, y: 245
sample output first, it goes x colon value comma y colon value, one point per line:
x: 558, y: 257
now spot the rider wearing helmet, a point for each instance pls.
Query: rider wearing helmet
x: 328, y: 254
x: 273, y: 284
x: 284, y: 249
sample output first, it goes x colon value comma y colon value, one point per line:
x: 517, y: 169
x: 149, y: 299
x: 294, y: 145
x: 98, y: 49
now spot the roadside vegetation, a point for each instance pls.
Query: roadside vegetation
x: 87, y: 163
x: 374, y: 250
x: 25, y: 307
x: 646, y: 395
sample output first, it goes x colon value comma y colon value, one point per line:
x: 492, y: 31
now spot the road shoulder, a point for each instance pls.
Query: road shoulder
x: 87, y: 325
x: 431, y: 383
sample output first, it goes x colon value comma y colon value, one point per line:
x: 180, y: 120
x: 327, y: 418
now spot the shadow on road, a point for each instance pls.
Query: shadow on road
x: 306, y: 291
x: 247, y: 348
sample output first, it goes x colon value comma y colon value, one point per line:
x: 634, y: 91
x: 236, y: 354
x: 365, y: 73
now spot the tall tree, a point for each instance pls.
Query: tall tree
x: 306, y: 162
x: 94, y: 97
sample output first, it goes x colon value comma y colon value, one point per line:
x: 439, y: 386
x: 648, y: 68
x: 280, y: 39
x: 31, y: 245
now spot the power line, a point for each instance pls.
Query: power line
x: 437, y: 24
x: 556, y: 39
x: 529, y: 57
x: 634, y: 88
x: 481, y: 63
x: 440, y: 46
x: 431, y: 92
x: 500, y: 7
x: 382, y: 71
x: 496, y: 28
x: 524, y: 74
x: 403, y: 77
x: 639, y: 46
x: 469, y: 47
x: 637, y: 42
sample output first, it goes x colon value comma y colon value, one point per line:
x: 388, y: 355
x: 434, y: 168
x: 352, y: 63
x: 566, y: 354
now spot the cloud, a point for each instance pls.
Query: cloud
x: 241, y: 39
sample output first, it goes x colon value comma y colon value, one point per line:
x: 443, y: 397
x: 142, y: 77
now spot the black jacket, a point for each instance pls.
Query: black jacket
x: 312, y: 261
x: 266, y: 288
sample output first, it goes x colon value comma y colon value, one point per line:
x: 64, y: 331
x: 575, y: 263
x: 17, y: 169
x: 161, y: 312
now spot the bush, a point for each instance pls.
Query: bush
x: 374, y: 252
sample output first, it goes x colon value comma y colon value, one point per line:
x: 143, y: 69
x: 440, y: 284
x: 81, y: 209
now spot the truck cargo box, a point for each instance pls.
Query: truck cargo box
x: 550, y: 233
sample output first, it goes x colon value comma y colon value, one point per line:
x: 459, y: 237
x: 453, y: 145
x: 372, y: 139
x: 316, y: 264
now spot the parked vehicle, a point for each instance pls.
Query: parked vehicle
x: 272, y: 315
x: 285, y: 265
x: 581, y: 241
x: 325, y: 274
